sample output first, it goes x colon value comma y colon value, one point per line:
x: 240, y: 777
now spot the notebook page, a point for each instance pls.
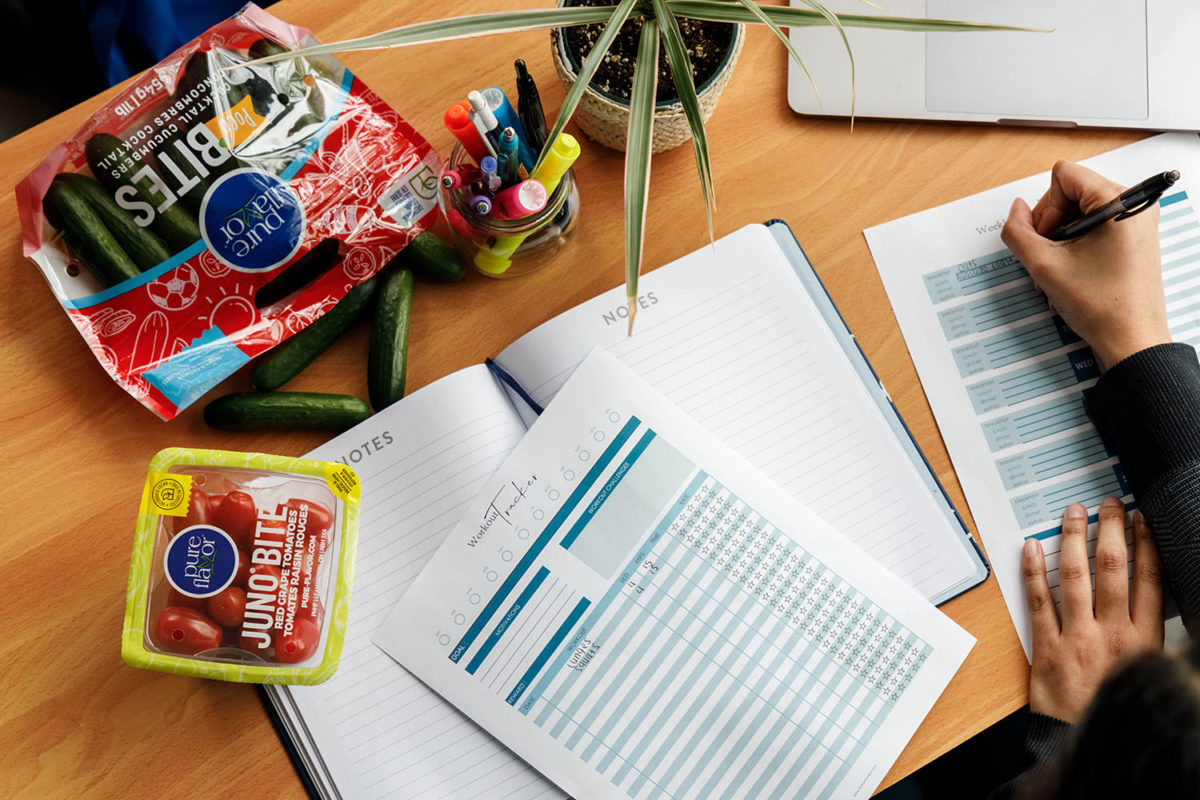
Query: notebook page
x: 1005, y: 376
x: 733, y: 339
x: 374, y: 730
x: 657, y: 620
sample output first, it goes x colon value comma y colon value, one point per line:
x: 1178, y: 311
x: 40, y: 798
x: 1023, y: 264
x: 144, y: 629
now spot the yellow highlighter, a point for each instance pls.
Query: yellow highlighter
x: 497, y: 258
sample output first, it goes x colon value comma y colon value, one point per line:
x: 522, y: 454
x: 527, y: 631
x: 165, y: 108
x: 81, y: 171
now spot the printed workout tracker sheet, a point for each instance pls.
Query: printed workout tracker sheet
x: 1005, y: 376
x: 637, y: 612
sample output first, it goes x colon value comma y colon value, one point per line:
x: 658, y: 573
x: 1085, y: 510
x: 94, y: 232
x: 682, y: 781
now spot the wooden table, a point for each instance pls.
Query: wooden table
x: 75, y: 720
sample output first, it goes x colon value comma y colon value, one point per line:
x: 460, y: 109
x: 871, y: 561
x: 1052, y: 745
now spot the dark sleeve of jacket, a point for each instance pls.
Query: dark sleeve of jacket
x: 1044, y: 738
x: 1147, y: 408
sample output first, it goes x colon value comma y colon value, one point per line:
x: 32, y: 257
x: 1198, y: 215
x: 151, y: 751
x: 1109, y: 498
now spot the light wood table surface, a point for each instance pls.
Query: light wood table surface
x: 76, y: 721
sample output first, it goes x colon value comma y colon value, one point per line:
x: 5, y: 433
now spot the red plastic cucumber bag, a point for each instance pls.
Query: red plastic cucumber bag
x: 157, y: 223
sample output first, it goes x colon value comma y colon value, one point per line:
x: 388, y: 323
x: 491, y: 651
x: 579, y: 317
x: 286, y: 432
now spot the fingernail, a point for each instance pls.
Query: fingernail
x: 1113, y: 502
x: 1076, y: 511
x: 1033, y: 548
x: 1139, y: 520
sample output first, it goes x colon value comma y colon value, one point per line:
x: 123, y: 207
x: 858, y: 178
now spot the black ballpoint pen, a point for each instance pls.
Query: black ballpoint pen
x: 529, y: 108
x: 1129, y: 202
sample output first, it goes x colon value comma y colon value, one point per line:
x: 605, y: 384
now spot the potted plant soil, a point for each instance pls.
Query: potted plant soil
x: 603, y: 112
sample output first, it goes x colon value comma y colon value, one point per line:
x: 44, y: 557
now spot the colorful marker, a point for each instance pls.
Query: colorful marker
x: 507, y: 155
x: 507, y: 116
x: 463, y: 176
x: 457, y: 120
x: 527, y: 197
x: 558, y: 160
x: 490, y: 172
x: 481, y: 204
x: 485, y: 120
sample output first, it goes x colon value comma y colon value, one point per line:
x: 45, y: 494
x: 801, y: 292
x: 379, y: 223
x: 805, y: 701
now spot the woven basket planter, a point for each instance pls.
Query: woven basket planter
x: 605, y: 117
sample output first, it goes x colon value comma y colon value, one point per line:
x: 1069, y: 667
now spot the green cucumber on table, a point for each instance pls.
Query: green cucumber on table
x: 287, y: 360
x: 261, y: 411
x: 429, y: 256
x: 388, y: 355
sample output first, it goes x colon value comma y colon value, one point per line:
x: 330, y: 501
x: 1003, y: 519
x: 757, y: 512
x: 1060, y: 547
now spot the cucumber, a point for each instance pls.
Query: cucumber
x: 388, y: 354
x: 270, y: 411
x: 431, y: 257
x: 143, y: 247
x: 84, y: 232
x: 174, y: 224
x: 303, y: 271
x: 288, y: 359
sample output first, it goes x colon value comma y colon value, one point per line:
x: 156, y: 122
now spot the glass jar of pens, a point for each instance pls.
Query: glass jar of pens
x: 507, y: 214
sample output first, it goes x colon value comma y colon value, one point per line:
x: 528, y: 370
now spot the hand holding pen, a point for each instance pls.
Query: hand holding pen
x: 1106, y: 285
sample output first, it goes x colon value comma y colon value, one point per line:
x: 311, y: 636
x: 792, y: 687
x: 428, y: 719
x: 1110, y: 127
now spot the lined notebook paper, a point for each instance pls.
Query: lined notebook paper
x: 742, y: 338
x: 738, y: 343
x: 374, y: 730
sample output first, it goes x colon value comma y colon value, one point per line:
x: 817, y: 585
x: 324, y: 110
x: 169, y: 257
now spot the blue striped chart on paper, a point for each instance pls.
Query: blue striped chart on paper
x: 635, y: 626
x: 1035, y: 422
x: 1007, y: 379
x: 990, y: 311
x: 1011, y: 346
x: 1031, y: 380
x: 973, y: 275
x: 762, y: 631
x: 1048, y: 503
x: 1081, y: 447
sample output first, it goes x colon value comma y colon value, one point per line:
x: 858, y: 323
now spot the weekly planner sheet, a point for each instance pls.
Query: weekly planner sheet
x: 637, y: 612
x: 1004, y: 375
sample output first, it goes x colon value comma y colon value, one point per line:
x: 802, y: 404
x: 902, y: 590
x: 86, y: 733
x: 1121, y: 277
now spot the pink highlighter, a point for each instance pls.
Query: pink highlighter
x: 527, y: 197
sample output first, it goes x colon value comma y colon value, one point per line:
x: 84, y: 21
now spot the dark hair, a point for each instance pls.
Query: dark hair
x: 1140, y: 738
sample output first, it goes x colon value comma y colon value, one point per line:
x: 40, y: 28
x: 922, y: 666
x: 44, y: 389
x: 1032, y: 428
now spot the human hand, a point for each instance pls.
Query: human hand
x: 1107, y: 284
x: 1071, y: 658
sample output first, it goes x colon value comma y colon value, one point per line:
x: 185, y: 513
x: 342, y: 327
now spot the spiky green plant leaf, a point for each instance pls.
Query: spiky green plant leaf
x: 586, y: 70
x: 785, y: 17
x: 753, y: 8
x: 685, y: 88
x: 638, y: 144
x: 441, y: 30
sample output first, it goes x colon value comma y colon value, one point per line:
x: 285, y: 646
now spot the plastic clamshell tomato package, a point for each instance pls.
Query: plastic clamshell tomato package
x: 242, y: 567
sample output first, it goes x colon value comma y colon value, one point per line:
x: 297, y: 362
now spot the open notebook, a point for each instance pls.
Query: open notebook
x: 744, y: 339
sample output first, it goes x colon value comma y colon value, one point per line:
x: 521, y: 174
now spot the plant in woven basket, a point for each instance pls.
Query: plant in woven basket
x: 659, y: 27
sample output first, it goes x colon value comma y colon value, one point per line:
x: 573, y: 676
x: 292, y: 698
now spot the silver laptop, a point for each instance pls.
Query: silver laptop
x: 1106, y: 63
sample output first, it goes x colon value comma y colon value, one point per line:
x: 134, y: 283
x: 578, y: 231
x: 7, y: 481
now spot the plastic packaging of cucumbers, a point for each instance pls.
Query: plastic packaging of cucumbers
x: 211, y: 210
